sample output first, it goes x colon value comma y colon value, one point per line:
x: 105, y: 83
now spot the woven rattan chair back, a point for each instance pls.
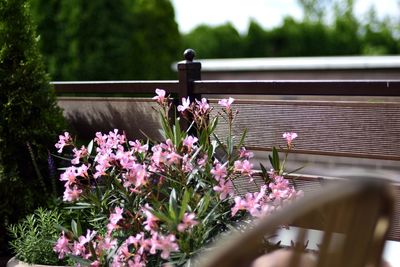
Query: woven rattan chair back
x: 354, y: 218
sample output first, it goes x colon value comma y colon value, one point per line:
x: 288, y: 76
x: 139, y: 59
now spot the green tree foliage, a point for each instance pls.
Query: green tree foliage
x: 222, y: 41
x: 155, y: 41
x: 108, y: 40
x: 30, y: 119
x: 299, y: 39
x: 344, y: 34
x: 378, y: 38
x: 314, y: 10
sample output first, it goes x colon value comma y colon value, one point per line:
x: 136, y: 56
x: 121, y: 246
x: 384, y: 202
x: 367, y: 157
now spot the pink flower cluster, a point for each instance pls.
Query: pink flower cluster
x: 290, y: 136
x: 134, y: 251
x: 270, y: 197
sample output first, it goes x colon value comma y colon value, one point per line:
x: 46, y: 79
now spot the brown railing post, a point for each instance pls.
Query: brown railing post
x: 188, y: 72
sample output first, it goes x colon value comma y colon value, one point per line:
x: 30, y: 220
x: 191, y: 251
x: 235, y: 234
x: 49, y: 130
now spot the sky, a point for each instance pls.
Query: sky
x: 268, y: 13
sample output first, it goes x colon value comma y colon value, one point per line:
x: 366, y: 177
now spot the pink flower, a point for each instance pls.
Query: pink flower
x: 289, y: 137
x: 107, y: 243
x: 62, y: 246
x: 138, y: 147
x: 167, y: 244
x: 240, y: 204
x: 245, y: 153
x: 103, y: 163
x: 226, y: 103
x: 117, y: 215
x: 100, y: 139
x: 137, y: 262
x: 202, y: 106
x: 71, y: 195
x: 187, y: 222
x: 189, y: 141
x: 78, y: 154
x: 69, y: 176
x: 185, y: 104
x: 173, y: 158
x: 96, y: 263
x: 160, y: 97
x: 151, y: 220
x: 64, y: 140
x: 202, y: 161
x: 244, y: 167
x: 82, y: 170
x: 219, y: 171
x: 225, y: 188
x: 187, y: 165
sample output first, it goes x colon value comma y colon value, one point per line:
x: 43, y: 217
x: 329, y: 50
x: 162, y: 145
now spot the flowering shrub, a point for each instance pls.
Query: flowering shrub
x: 148, y: 203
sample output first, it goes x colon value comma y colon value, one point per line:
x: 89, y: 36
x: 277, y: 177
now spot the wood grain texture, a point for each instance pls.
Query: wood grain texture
x: 353, y: 129
x: 137, y: 117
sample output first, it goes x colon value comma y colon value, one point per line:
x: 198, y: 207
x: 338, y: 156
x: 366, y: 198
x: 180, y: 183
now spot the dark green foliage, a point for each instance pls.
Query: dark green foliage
x: 108, y: 40
x: 30, y: 119
x: 33, y: 238
x: 345, y: 34
x: 215, y: 42
x: 155, y: 42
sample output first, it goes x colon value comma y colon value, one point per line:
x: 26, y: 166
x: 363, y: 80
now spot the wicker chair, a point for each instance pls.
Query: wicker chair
x: 359, y: 213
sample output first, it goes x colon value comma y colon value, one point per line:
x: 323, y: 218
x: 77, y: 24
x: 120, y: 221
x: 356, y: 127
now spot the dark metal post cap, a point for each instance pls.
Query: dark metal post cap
x: 189, y: 54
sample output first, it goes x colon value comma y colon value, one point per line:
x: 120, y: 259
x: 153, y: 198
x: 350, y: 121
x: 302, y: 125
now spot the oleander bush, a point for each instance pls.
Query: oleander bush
x: 144, y: 203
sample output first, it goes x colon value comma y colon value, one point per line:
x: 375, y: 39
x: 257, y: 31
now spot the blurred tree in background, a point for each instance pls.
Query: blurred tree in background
x: 139, y: 39
x: 223, y: 41
x: 108, y: 40
x: 328, y: 28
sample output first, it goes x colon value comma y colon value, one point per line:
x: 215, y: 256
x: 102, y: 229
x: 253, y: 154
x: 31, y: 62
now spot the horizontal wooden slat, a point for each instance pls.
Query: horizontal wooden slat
x: 88, y: 115
x: 134, y: 87
x: 365, y: 130
x: 300, y: 87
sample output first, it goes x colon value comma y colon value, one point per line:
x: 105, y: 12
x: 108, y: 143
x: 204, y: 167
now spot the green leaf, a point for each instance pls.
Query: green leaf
x: 167, y: 133
x: 161, y: 216
x: 185, y: 202
x: 203, y: 204
x: 296, y: 170
x: 213, y: 124
x: 74, y: 227
x: 241, y: 142
x: 173, y: 206
x: 90, y: 147
x: 275, y: 159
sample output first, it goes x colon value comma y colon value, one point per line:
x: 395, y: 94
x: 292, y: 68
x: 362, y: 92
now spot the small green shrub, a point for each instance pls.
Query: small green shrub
x: 33, y: 237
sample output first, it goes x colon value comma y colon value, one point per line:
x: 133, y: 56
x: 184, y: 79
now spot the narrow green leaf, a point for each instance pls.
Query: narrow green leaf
x: 90, y: 147
x: 296, y: 170
x: 74, y: 227
x: 213, y: 125
x: 275, y: 157
x: 271, y: 160
x: 241, y: 142
x: 185, y: 202
x: 161, y: 216
x: 173, y: 206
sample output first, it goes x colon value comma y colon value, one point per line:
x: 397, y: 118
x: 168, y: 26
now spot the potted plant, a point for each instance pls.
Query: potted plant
x: 34, y: 238
x: 153, y: 203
